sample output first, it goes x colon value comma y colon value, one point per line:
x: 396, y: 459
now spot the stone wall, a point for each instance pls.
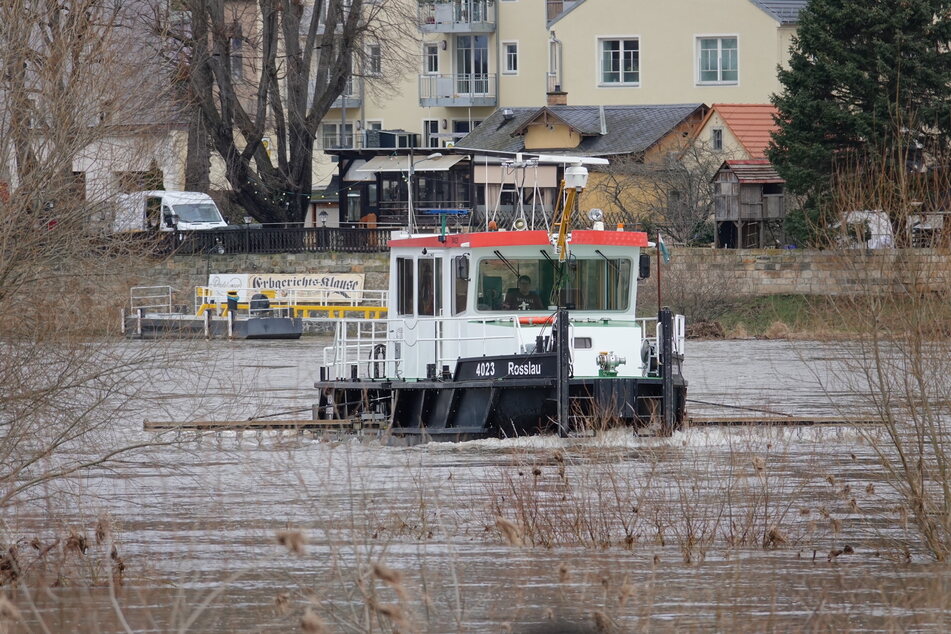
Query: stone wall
x: 807, y: 272
x: 757, y: 272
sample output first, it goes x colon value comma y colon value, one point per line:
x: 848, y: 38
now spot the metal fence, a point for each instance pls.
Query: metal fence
x: 274, y: 240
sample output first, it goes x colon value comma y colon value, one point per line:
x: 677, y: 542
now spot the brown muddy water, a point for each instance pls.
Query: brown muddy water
x: 722, y: 529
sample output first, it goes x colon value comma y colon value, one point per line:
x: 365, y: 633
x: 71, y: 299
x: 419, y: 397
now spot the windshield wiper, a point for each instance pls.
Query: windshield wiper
x: 554, y: 265
x: 611, y: 262
x: 506, y: 262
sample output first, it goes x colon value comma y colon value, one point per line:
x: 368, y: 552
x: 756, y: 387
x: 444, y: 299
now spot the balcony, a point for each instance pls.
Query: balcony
x: 457, y: 16
x: 468, y: 90
x: 351, y: 96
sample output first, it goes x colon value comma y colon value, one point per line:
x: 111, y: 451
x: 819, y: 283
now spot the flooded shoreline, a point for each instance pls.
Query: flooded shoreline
x: 714, y: 528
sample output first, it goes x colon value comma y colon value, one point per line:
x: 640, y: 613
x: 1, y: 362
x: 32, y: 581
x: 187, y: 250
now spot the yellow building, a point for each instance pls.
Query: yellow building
x: 476, y: 56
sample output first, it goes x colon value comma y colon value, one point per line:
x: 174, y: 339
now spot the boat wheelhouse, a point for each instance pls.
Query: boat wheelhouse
x: 496, y: 333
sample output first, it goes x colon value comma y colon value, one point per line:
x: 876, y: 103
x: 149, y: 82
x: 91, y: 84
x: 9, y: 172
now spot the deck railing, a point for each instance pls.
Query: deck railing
x: 362, y: 346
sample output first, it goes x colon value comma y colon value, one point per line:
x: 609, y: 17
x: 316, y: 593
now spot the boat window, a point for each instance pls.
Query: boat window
x: 404, y: 286
x: 438, y: 285
x: 429, y: 298
x: 593, y: 284
x: 460, y: 285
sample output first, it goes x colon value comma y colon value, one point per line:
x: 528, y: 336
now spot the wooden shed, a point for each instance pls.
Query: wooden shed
x: 750, y: 205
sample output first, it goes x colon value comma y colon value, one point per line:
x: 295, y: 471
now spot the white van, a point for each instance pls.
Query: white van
x: 166, y: 211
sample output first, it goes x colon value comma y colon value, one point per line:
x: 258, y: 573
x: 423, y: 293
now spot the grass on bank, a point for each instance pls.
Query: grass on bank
x: 810, y: 317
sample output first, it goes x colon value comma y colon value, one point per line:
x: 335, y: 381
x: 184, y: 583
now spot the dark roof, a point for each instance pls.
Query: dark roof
x: 629, y: 129
x: 753, y: 171
x: 785, y: 11
x: 585, y: 121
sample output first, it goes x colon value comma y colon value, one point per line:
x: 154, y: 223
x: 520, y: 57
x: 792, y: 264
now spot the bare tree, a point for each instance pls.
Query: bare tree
x: 69, y: 68
x: 673, y: 193
x: 900, y: 361
x: 299, y: 59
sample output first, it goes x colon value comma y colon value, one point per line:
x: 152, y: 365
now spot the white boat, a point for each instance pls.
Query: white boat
x: 507, y: 333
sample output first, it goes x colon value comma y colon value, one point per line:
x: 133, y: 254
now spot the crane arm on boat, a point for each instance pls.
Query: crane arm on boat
x: 560, y: 238
x: 576, y: 179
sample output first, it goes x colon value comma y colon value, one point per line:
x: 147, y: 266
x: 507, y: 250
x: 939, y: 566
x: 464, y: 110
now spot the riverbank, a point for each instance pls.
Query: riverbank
x: 820, y: 318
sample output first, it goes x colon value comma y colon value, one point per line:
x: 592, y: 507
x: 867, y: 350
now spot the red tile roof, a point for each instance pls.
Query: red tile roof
x: 751, y: 123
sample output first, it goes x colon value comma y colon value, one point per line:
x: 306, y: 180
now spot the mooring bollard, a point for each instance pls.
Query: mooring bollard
x: 564, y: 359
x: 667, y: 370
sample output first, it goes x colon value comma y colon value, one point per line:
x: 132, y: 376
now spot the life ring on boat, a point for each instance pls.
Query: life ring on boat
x: 536, y: 321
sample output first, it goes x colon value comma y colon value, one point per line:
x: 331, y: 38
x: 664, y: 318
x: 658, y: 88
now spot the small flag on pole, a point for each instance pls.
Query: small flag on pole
x: 663, y: 248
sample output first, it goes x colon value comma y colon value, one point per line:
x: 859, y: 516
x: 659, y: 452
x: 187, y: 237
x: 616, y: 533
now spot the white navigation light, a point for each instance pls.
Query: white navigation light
x: 595, y: 215
x: 576, y: 176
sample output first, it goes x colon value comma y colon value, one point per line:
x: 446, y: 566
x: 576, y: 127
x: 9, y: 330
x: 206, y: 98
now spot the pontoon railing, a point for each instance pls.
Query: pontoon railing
x: 151, y: 299
x: 292, y: 302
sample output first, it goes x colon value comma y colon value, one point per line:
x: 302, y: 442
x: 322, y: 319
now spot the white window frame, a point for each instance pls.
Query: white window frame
x: 374, y: 62
x: 427, y: 57
x: 714, y: 133
x: 599, y: 59
x: 506, y: 70
x: 339, y: 131
x: 425, y: 128
x: 719, y: 37
x: 472, y: 123
x: 368, y: 124
x: 236, y: 44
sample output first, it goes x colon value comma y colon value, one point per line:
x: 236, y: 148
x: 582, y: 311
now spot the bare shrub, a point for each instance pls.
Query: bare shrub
x: 777, y: 330
x: 691, y: 287
x: 901, y: 359
x: 673, y: 496
x: 671, y: 193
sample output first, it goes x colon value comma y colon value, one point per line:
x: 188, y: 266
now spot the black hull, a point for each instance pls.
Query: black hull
x: 467, y: 407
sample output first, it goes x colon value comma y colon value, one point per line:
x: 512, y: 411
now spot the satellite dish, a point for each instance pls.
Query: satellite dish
x: 519, y: 224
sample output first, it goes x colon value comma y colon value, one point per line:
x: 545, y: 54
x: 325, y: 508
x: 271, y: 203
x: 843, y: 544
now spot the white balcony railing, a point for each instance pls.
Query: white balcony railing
x: 457, y: 16
x: 467, y: 89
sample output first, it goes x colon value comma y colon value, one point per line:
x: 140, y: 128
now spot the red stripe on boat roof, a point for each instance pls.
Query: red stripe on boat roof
x: 524, y: 238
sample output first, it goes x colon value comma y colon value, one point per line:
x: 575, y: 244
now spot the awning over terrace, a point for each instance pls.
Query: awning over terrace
x: 420, y: 163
